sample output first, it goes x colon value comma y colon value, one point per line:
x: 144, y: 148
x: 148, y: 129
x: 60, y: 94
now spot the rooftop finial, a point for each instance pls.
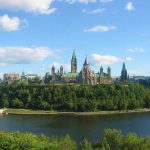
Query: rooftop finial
x: 74, y: 55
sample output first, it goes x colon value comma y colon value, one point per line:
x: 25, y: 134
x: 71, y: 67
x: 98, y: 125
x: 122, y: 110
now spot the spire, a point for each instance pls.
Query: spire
x: 101, y: 70
x: 124, y: 73
x: 85, y: 62
x: 61, y: 70
x: 124, y: 66
x: 109, y: 72
x: 73, y: 55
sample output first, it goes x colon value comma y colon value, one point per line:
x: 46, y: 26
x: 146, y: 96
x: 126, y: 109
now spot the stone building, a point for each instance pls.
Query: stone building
x: 11, y: 77
x: 85, y: 76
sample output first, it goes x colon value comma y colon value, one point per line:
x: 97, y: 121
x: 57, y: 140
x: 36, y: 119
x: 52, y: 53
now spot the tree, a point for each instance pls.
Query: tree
x: 16, y: 103
x: 113, y: 138
x: 85, y: 145
x: 4, y: 103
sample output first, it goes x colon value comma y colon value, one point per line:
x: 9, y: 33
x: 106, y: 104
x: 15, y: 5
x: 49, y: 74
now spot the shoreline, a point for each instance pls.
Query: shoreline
x: 2, y: 111
x: 42, y: 112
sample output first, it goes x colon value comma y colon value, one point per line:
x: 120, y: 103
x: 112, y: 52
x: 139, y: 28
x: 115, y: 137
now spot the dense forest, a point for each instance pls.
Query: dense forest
x: 112, y: 140
x: 121, y: 96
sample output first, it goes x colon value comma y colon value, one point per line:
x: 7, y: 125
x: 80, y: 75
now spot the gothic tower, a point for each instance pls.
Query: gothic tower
x: 101, y: 71
x: 124, y: 75
x: 73, y: 63
x: 109, y: 72
x: 61, y: 70
x: 53, y: 70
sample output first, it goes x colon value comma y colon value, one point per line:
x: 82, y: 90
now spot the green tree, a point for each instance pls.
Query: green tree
x: 85, y: 145
x: 16, y: 103
x: 113, y: 138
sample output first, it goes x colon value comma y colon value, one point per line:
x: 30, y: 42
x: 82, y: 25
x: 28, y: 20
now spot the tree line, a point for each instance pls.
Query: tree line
x: 112, y: 140
x: 121, y: 96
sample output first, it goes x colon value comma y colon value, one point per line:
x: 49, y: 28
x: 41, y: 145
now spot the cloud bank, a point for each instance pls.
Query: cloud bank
x: 24, y: 55
x: 36, y: 6
x: 98, y: 60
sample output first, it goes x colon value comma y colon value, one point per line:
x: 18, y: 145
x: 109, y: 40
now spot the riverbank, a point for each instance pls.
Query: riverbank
x: 42, y: 112
x: 2, y: 111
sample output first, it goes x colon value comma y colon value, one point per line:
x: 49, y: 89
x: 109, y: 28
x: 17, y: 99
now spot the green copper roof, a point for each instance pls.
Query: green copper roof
x: 97, y: 75
x: 70, y: 75
x: 74, y: 55
x: 101, y: 75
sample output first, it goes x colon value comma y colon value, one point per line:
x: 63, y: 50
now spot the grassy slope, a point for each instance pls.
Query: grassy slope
x: 42, y: 112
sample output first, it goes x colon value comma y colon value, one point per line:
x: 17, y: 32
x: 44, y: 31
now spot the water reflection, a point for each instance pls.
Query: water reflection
x: 78, y: 127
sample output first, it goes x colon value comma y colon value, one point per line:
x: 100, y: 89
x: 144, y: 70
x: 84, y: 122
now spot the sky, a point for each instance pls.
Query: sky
x: 35, y: 34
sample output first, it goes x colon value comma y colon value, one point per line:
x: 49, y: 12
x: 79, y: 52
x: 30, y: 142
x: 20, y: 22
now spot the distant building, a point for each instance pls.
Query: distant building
x: 28, y: 77
x: 138, y: 78
x: 11, y: 77
x: 85, y: 76
x: 124, y: 73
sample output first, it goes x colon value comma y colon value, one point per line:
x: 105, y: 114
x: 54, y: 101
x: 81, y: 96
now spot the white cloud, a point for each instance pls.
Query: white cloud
x: 129, y: 6
x: 133, y: 50
x: 11, y: 24
x: 95, y: 11
x: 81, y: 1
x: 129, y: 59
x: 36, y: 6
x: 105, y: 1
x: 66, y: 67
x: 100, y: 29
x: 24, y: 55
x: 99, y: 60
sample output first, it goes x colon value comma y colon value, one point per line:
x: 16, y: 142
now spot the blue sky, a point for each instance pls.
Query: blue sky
x: 34, y: 34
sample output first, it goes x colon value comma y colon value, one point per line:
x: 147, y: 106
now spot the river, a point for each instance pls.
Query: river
x: 79, y: 127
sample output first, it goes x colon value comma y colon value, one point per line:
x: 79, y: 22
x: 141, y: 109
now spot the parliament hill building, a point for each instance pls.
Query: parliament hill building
x: 85, y: 76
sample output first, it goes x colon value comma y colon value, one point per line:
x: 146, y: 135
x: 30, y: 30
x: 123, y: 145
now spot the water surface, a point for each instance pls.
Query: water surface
x: 79, y: 127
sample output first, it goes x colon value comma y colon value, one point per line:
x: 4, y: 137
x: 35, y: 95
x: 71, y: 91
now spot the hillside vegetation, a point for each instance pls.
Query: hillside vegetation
x: 78, y: 98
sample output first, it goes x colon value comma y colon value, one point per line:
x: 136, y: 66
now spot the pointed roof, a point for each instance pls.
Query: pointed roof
x: 73, y: 55
x: 124, y: 66
x: 85, y: 62
x: 108, y: 68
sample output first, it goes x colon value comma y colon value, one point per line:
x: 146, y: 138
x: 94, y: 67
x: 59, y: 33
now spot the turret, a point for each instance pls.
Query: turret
x: 61, y: 70
x: 101, y: 70
x: 53, y: 70
x: 109, y: 72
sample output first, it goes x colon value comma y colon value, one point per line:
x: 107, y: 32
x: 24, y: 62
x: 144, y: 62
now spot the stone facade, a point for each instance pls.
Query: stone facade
x: 85, y: 76
x: 11, y: 77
